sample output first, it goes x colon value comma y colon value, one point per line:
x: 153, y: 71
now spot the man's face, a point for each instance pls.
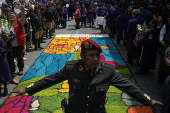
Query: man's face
x: 12, y: 17
x: 169, y: 21
x: 37, y: 10
x: 150, y: 24
x: 133, y: 15
x: 91, y: 58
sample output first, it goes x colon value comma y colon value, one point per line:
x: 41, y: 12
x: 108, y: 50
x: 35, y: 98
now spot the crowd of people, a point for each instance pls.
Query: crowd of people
x: 121, y: 17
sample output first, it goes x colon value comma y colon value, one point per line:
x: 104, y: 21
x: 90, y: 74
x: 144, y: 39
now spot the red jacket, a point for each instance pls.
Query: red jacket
x: 19, y: 33
x: 78, y: 15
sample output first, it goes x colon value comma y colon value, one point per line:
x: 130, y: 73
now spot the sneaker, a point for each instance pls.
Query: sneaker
x: 15, y: 61
x: 24, y: 58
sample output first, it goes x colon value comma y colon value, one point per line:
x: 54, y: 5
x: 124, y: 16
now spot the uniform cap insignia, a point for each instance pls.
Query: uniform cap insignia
x: 81, y: 68
x: 76, y: 80
x: 30, y: 85
x: 148, y: 97
x: 86, y: 45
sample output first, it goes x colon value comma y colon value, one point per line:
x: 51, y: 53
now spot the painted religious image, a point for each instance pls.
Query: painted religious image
x: 65, y: 48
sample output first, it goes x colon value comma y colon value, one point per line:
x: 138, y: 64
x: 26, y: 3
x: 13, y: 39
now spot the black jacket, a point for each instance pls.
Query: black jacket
x: 89, y: 97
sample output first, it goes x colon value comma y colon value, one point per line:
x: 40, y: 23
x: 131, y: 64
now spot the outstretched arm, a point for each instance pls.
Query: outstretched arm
x: 43, y: 83
x: 129, y: 88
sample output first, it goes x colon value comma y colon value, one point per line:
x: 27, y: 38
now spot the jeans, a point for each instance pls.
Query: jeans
x: 91, y: 16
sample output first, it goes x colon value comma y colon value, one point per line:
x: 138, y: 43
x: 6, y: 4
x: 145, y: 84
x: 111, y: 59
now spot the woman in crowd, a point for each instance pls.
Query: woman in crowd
x: 5, y: 73
x: 102, y: 13
x: 63, y: 17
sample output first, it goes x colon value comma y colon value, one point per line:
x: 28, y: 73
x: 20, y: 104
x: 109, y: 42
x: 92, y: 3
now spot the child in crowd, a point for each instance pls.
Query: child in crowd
x: 83, y: 17
x: 102, y: 13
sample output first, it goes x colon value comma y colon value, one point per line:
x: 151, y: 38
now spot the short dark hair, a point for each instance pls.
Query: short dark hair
x: 155, y: 22
x: 83, y: 51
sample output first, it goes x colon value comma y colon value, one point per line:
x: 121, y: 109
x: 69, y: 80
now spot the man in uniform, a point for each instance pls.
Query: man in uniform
x: 89, y: 80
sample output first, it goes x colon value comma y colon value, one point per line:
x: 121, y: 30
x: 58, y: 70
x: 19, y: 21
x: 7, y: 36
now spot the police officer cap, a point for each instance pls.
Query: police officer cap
x: 42, y: 8
x: 36, y: 7
x: 90, y: 45
x: 136, y: 11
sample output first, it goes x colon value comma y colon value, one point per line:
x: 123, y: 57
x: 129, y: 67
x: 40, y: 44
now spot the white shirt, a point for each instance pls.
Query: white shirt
x: 162, y: 32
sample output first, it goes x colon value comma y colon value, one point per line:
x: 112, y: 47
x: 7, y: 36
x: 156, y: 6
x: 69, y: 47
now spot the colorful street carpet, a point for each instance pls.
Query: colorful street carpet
x: 61, y: 49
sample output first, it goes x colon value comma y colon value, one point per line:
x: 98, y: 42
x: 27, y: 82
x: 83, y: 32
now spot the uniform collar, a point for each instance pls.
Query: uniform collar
x: 82, y: 66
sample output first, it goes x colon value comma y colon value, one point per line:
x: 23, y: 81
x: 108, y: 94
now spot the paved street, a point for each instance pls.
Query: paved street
x: 148, y: 83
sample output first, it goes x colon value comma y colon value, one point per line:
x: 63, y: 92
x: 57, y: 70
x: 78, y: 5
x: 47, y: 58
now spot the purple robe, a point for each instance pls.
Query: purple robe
x: 112, y: 15
x: 149, y: 49
x: 132, y: 50
x: 5, y: 73
x: 71, y: 9
x: 120, y: 23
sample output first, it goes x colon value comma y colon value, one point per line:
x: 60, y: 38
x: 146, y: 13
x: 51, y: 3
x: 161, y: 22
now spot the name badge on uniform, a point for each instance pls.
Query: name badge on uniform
x: 150, y: 37
x: 76, y: 80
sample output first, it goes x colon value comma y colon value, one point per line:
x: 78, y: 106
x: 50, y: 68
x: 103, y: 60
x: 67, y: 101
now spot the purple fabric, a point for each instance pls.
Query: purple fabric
x: 120, y: 23
x: 5, y: 73
x: 132, y: 50
x: 112, y: 15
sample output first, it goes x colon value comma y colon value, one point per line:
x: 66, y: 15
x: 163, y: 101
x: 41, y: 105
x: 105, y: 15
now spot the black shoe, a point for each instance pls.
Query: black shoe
x: 129, y: 62
x: 40, y: 47
x: 43, y: 41
x: 5, y: 92
x: 36, y: 48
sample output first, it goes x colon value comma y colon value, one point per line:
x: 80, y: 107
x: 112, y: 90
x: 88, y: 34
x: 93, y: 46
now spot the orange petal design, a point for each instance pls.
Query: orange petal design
x: 64, y: 90
x: 140, y: 109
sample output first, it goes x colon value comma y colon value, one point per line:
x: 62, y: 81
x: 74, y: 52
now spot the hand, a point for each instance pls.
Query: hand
x: 162, y: 42
x: 134, y: 42
x: 19, y: 91
x: 156, y: 103
x: 105, y: 16
x: 22, y: 8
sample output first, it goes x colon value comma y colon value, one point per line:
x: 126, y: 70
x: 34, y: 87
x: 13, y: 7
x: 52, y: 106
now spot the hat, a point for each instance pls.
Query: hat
x: 156, y: 3
x: 150, y: 3
x: 50, y: 3
x: 90, y: 45
x: 164, y: 8
x: 42, y: 8
x: 153, y: 6
x: 36, y: 7
x: 136, y: 11
x: 57, y: 2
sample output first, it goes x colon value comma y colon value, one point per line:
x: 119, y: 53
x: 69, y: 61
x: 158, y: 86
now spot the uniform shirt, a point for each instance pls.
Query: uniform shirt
x: 90, y: 94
